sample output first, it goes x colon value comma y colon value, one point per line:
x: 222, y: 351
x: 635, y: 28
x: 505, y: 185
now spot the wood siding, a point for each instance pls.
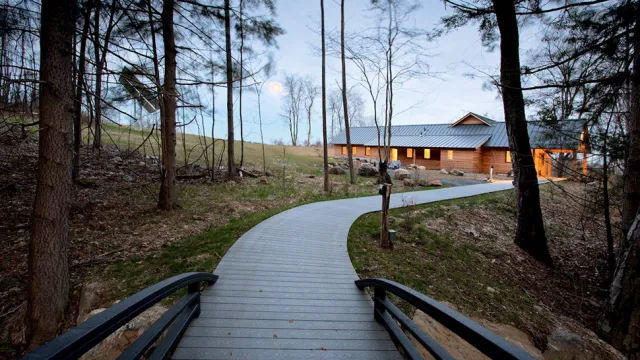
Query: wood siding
x: 463, y: 159
x: 495, y: 157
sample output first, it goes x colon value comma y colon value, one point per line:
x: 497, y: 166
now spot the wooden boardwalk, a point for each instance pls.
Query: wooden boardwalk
x: 286, y: 288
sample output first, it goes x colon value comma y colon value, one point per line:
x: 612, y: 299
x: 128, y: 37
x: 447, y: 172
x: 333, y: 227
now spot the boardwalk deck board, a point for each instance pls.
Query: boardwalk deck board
x: 286, y: 288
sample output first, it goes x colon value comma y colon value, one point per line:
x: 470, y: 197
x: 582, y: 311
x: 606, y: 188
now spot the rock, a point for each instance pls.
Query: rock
x: 565, y: 345
x: 430, y: 182
x: 264, y: 181
x: 268, y: 173
x: 443, y: 171
x: 456, y: 172
x: 460, y: 349
x: 114, y: 344
x: 510, y: 173
x: 89, y: 296
x: 401, y: 174
x: 116, y: 159
x: 421, y: 168
x: 336, y: 170
x: 411, y: 167
x: 408, y: 182
x: 127, y: 178
x: 142, y: 163
x: 367, y: 170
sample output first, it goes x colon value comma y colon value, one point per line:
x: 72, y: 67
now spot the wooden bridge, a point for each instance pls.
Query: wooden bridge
x: 285, y: 290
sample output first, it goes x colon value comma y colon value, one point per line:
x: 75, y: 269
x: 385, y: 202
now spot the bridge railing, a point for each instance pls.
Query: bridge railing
x: 80, y: 339
x: 386, y: 313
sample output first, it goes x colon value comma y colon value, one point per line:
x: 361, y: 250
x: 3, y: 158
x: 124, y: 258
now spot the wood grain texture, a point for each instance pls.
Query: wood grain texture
x: 290, y: 276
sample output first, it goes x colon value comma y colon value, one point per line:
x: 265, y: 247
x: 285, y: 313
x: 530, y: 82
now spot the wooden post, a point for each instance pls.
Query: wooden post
x: 584, y: 163
x: 547, y: 164
x: 385, y: 191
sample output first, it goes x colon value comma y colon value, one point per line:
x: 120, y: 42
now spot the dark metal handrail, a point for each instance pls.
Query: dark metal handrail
x: 80, y: 339
x: 388, y: 314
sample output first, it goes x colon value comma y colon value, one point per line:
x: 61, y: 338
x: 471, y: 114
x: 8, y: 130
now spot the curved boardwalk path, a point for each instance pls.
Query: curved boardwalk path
x: 286, y: 288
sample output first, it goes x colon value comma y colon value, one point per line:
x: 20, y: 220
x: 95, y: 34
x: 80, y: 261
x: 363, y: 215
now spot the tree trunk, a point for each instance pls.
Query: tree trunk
x: 77, y: 106
x: 231, y: 167
x: 97, y: 132
x: 48, y: 263
x: 325, y: 152
x: 530, y: 234
x: 352, y: 179
x: 241, y: 23
x: 384, y: 224
x: 622, y: 313
x: 167, y: 199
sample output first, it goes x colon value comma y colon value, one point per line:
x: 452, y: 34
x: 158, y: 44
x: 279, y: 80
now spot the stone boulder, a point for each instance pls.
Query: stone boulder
x: 114, y: 344
x: 443, y: 171
x: 367, y: 170
x: 408, y: 182
x: 89, y: 298
x: 456, y: 172
x: 460, y: 349
x: 337, y: 170
x: 421, y: 168
x: 264, y: 181
x: 433, y: 181
x: 401, y: 174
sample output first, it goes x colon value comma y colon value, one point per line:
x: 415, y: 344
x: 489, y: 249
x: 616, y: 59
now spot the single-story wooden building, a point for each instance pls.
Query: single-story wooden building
x: 474, y: 143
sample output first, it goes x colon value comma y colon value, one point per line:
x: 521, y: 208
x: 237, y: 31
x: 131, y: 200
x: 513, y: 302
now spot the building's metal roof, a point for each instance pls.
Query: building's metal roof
x: 436, y: 141
x: 562, y: 135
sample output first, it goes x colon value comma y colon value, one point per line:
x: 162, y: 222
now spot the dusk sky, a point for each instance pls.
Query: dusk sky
x: 440, y: 98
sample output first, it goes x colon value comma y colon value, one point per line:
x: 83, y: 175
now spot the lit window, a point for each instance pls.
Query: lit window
x: 410, y: 153
x: 508, y: 157
x: 353, y: 150
x: 367, y: 151
x: 427, y: 153
x: 394, y: 154
x: 450, y: 154
x: 344, y: 150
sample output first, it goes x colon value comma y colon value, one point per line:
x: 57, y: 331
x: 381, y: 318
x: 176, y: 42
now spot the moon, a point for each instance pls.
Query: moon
x: 276, y: 87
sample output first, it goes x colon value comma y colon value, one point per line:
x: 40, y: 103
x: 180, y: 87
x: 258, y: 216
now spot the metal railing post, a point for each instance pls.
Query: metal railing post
x: 379, y: 295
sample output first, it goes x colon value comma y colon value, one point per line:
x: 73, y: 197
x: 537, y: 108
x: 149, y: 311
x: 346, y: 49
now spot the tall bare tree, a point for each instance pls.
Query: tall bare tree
x: 77, y: 106
x: 345, y: 107
x: 293, y: 103
x: 167, y: 198
x: 48, y: 289
x: 310, y: 94
x: 231, y: 166
x: 325, y: 153
x: 530, y: 234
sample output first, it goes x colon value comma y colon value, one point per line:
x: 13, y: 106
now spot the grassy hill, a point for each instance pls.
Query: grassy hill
x: 190, y: 149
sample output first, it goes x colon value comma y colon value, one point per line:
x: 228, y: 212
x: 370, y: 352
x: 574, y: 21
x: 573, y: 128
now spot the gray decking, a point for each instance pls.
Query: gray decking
x: 286, y: 288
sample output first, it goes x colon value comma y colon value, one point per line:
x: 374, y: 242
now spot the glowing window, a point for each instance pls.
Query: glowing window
x: 344, y: 150
x: 353, y: 150
x: 367, y: 151
x: 410, y: 153
x: 508, y: 157
x: 394, y: 154
x: 427, y: 153
x: 450, y: 154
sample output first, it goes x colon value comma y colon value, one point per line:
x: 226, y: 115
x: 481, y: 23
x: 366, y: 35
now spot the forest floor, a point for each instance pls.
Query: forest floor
x: 462, y: 252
